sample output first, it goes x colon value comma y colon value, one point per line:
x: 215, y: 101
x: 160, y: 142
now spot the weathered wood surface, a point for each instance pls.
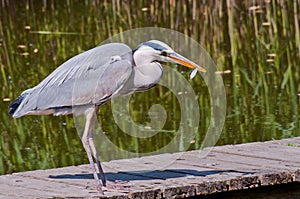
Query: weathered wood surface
x: 225, y: 168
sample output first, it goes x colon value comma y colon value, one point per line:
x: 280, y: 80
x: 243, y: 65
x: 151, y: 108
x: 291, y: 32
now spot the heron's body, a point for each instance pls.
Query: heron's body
x: 66, y: 89
x: 86, y: 81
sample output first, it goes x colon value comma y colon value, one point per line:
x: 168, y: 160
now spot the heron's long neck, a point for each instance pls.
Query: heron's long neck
x: 142, y: 57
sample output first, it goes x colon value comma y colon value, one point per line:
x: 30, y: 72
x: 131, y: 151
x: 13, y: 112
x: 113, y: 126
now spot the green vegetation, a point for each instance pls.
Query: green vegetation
x: 292, y: 145
x: 255, y: 43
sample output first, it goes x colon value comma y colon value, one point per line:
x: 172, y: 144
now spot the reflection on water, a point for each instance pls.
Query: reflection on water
x: 255, y: 44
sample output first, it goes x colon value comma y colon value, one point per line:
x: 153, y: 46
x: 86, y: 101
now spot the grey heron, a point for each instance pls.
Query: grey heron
x: 88, y: 80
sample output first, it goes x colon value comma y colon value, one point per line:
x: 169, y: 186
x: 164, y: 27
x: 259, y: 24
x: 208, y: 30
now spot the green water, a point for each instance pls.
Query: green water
x: 255, y: 42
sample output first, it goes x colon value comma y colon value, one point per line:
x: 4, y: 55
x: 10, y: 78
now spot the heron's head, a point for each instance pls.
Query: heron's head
x: 155, y: 50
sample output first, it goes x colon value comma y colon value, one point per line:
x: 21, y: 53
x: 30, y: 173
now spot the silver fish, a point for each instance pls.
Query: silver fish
x: 193, y: 73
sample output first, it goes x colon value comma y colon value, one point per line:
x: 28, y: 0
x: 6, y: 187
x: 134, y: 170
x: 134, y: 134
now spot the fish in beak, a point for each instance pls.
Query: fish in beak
x: 179, y: 59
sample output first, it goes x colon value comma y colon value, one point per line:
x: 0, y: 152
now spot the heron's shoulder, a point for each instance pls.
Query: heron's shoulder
x: 114, y: 47
x: 115, y: 44
x: 104, y: 52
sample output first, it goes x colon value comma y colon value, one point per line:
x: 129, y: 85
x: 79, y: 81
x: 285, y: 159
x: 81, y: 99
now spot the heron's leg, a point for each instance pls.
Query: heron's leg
x: 92, y: 145
x: 89, y: 123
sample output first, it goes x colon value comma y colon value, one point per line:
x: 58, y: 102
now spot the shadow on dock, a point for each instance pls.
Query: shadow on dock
x: 149, y: 174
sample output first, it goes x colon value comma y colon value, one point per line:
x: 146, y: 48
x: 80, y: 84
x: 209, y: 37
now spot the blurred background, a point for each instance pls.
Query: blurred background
x: 255, y: 45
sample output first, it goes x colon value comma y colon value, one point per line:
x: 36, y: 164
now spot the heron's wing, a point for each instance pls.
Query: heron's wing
x: 91, y: 77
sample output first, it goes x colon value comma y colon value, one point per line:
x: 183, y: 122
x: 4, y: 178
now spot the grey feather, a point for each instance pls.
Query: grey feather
x: 143, y: 78
x: 80, y: 81
x: 95, y: 76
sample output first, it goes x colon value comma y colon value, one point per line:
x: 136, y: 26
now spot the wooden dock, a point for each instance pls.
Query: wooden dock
x: 225, y: 168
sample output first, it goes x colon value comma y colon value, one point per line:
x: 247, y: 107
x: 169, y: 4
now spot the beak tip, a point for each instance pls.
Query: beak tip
x: 202, y: 70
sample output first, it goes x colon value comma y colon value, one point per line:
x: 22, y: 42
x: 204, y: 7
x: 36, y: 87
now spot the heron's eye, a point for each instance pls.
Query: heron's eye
x: 164, y: 53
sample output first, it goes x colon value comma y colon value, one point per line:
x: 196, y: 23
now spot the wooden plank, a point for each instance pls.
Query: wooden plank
x: 40, y: 188
x: 263, y: 152
x: 238, y: 161
x: 184, y: 174
x: 274, y: 150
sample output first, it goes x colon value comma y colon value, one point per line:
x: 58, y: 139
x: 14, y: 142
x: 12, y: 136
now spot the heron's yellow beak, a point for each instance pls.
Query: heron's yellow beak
x: 185, y: 62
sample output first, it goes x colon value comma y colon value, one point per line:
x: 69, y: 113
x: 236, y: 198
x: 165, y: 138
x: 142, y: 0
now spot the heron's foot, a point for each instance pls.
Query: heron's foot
x: 111, y: 186
x: 117, y: 186
x: 95, y: 186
